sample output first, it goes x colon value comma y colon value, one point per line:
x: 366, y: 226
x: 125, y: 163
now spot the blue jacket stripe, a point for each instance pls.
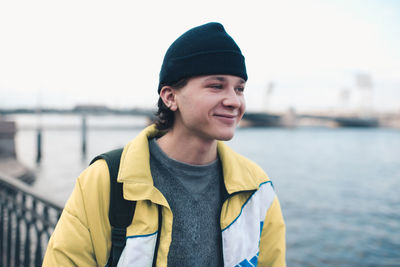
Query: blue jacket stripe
x: 245, y: 205
x: 246, y: 263
x: 134, y: 236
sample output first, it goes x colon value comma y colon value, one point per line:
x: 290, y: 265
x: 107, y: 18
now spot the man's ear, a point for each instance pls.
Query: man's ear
x: 168, y: 96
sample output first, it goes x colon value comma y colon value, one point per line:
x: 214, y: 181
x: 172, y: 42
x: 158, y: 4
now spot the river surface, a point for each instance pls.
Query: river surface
x: 339, y: 188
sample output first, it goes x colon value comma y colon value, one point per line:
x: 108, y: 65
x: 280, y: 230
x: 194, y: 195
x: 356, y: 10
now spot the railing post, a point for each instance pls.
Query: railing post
x: 39, y: 145
x: 84, y: 135
x: 2, y: 214
x: 35, y: 222
x: 18, y: 235
x: 9, y: 231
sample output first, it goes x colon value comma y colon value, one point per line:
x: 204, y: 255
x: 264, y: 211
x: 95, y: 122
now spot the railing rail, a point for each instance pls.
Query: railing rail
x: 26, y: 223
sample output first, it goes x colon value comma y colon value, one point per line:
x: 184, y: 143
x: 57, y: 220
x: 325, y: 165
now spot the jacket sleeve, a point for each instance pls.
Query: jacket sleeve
x: 273, y: 243
x: 81, y: 237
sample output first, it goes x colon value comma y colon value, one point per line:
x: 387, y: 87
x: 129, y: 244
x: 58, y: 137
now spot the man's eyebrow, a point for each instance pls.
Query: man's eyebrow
x: 222, y: 79
x: 219, y: 78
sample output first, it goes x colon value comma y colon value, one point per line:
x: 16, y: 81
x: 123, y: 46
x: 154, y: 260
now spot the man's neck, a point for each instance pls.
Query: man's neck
x: 188, y: 149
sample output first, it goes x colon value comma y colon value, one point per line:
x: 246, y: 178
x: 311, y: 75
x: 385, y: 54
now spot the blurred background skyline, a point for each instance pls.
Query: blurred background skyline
x: 307, y: 54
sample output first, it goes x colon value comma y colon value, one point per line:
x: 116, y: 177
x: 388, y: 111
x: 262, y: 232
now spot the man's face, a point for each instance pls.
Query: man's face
x: 210, y: 107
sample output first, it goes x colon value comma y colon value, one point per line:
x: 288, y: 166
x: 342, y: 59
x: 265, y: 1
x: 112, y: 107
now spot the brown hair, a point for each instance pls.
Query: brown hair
x: 164, y: 116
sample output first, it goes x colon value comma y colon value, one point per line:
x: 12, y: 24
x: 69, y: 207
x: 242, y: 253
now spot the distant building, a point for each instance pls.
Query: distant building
x: 8, y: 159
x: 7, y: 133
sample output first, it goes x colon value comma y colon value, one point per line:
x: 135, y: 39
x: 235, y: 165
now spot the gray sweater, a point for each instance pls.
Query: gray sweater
x: 194, y: 195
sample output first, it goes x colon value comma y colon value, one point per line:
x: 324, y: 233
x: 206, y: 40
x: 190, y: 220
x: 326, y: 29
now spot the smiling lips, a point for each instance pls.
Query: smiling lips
x: 226, y: 118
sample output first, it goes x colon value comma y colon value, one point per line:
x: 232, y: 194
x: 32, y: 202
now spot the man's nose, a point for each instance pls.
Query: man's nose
x: 232, y: 99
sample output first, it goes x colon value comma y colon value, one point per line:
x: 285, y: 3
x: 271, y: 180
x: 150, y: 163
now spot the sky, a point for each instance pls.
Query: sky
x: 308, y: 52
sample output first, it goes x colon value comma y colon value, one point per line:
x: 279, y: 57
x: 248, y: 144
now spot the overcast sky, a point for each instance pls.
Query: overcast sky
x: 63, y: 53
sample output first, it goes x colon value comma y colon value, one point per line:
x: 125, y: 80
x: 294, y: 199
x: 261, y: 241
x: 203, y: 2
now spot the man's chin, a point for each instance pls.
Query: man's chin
x: 225, y: 137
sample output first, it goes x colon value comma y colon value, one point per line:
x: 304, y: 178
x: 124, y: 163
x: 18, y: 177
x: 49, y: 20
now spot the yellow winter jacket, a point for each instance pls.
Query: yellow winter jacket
x: 253, y: 230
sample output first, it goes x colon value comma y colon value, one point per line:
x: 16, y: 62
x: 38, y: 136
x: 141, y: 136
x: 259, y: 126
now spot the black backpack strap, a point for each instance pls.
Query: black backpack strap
x: 158, y: 236
x: 121, y: 211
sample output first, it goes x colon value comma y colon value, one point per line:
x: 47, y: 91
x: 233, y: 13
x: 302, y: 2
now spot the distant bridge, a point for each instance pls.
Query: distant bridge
x: 347, y: 121
x: 252, y: 119
x: 97, y: 110
x: 255, y: 119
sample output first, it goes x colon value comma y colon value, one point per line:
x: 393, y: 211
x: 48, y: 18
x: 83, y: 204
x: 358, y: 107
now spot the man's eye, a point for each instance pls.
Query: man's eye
x: 216, y: 86
x: 240, y: 89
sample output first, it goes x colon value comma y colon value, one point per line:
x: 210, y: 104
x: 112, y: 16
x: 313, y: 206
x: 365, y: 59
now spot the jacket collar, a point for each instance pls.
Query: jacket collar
x: 134, y: 171
x: 240, y: 174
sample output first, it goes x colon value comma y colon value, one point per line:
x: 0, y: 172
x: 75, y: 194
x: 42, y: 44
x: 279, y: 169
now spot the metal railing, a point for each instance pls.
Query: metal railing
x: 26, y: 223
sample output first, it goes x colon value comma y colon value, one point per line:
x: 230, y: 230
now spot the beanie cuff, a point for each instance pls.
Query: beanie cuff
x: 226, y: 62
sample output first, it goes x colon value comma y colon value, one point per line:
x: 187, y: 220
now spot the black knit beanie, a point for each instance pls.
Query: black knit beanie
x: 203, y: 50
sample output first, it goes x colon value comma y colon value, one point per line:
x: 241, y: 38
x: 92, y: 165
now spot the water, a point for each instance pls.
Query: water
x: 338, y: 188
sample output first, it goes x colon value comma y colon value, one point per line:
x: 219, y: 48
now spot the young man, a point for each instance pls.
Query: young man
x: 217, y: 207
